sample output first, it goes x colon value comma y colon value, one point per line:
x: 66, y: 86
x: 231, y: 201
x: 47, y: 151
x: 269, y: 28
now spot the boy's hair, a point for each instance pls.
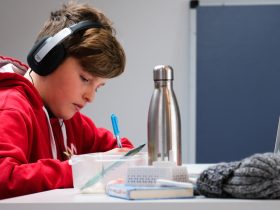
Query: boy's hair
x: 97, y: 49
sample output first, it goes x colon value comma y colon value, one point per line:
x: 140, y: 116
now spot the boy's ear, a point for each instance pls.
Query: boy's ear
x: 50, y: 62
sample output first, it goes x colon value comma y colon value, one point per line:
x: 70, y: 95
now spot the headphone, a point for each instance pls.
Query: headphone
x: 48, y: 53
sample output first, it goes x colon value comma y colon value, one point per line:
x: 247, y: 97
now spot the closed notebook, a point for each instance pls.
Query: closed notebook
x: 152, y: 192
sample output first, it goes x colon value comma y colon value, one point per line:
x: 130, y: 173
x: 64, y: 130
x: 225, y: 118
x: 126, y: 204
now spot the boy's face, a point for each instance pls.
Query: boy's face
x: 69, y: 88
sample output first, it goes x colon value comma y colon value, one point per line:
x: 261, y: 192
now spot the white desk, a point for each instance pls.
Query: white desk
x: 70, y: 199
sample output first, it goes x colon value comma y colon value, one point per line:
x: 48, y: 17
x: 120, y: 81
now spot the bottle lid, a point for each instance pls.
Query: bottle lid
x: 163, y: 72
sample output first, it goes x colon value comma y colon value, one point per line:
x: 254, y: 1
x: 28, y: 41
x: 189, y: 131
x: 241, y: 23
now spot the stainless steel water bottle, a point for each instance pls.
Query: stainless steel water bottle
x: 164, y: 123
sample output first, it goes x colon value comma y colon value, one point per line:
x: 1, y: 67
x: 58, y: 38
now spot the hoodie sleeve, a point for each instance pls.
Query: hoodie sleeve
x: 22, y: 172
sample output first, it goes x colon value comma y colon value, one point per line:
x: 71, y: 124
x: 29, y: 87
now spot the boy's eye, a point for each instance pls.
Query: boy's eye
x: 84, y: 79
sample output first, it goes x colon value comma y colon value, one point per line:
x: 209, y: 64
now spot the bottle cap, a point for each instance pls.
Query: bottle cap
x: 163, y: 72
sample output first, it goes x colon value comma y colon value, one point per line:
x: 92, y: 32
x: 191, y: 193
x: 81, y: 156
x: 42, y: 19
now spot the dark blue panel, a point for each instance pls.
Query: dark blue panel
x: 238, y: 81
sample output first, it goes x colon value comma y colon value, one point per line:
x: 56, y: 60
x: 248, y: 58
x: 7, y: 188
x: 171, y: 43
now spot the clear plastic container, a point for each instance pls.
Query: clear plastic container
x: 92, y: 172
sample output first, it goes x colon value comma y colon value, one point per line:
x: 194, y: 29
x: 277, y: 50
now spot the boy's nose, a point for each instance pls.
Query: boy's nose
x: 89, y: 95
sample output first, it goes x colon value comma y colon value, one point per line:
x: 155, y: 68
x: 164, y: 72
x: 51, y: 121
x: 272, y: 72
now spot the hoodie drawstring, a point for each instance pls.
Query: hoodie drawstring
x: 52, y: 140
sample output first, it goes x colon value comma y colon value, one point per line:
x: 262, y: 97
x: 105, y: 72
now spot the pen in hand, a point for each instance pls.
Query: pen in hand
x: 115, y: 125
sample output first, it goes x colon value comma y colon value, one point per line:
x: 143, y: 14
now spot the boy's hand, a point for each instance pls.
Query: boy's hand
x: 117, y: 151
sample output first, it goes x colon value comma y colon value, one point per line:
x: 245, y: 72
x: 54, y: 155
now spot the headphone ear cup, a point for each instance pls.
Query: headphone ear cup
x: 50, y: 62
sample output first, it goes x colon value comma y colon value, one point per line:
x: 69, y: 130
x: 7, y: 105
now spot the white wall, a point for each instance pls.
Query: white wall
x: 152, y: 32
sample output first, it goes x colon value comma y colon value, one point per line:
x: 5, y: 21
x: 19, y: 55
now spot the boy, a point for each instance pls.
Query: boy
x: 75, y: 54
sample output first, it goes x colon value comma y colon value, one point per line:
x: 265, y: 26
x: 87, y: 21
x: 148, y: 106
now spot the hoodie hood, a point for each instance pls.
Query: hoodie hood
x: 12, y: 77
x: 12, y: 81
x: 18, y: 66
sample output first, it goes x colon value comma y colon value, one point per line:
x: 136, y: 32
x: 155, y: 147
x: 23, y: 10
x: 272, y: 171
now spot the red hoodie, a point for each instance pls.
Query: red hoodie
x: 26, y: 158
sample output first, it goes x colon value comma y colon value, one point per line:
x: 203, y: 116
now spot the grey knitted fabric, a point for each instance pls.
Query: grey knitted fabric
x: 255, y: 177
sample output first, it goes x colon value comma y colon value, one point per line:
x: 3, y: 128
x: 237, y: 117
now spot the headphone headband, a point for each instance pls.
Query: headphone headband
x: 39, y: 57
x: 51, y: 42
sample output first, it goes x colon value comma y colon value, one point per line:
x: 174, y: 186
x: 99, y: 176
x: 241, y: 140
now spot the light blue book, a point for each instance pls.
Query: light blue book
x: 148, y: 192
